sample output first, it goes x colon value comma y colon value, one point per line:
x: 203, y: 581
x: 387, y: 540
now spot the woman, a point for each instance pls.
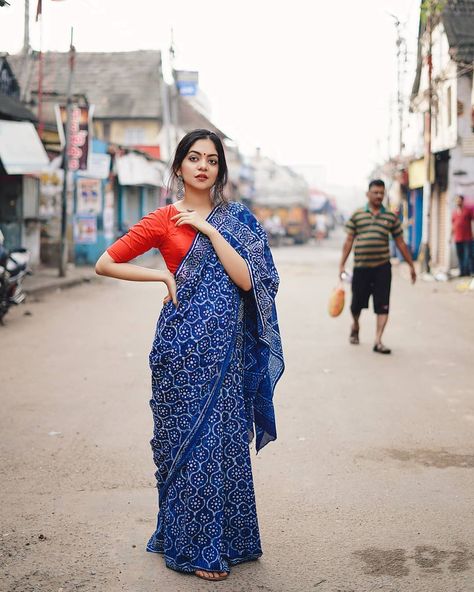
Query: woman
x: 215, y: 361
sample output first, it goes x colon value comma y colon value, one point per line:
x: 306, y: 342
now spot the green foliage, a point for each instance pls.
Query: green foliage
x: 432, y: 8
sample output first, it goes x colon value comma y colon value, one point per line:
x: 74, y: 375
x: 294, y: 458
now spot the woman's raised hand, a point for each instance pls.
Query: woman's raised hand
x: 192, y: 218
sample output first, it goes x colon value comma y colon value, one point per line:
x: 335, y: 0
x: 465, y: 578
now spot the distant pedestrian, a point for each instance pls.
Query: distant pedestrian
x: 369, y: 229
x: 461, y: 233
x: 214, y: 362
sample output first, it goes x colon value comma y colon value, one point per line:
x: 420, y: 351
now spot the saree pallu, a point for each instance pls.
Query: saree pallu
x: 215, y: 362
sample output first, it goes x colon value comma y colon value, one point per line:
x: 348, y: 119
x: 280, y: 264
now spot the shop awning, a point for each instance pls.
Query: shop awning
x: 134, y: 169
x: 21, y: 150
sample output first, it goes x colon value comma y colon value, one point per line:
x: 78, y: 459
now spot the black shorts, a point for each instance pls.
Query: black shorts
x: 375, y: 282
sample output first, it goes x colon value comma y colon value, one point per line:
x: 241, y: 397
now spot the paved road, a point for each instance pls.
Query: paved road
x: 369, y: 487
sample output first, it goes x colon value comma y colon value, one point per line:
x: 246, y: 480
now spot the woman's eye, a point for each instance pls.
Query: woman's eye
x: 193, y: 158
x: 213, y: 162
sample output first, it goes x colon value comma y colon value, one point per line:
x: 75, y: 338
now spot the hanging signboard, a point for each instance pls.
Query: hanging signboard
x: 186, y: 82
x: 80, y: 127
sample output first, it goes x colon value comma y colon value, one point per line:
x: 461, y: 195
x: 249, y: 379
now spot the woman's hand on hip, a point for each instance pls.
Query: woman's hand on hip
x: 171, y: 285
x: 195, y: 220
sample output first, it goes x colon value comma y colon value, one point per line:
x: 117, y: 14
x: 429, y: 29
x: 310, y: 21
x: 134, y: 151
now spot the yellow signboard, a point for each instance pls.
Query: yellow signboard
x: 417, y: 173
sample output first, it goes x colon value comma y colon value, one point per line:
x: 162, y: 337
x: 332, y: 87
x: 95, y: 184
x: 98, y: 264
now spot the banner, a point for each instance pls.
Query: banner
x: 79, y: 134
x: 85, y: 229
x: 89, y: 196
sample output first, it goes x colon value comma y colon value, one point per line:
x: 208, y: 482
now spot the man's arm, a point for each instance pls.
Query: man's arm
x: 346, y: 250
x: 406, y: 255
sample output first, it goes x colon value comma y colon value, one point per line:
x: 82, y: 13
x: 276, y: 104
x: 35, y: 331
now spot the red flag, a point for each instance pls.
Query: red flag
x: 38, y: 9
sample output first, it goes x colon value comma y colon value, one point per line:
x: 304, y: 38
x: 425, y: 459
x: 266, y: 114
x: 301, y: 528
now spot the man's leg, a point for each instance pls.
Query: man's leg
x: 471, y: 257
x: 382, y: 320
x: 467, y: 258
x: 354, y: 336
x: 360, y: 299
x: 460, y: 254
x: 383, y: 281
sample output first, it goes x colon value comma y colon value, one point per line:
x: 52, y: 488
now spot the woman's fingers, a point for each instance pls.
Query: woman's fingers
x: 172, y: 292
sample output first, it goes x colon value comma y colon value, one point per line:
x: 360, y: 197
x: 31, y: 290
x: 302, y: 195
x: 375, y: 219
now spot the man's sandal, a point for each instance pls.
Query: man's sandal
x: 211, y: 576
x: 379, y: 348
x: 354, y: 337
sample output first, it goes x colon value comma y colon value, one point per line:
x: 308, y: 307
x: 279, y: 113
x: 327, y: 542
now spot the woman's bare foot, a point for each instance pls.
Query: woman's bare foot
x: 211, y: 576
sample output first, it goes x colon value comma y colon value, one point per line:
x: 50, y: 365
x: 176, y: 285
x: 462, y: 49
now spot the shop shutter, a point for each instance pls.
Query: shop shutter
x: 443, y: 229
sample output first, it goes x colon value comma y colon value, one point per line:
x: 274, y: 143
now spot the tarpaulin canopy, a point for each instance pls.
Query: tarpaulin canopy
x: 21, y: 150
x: 134, y: 169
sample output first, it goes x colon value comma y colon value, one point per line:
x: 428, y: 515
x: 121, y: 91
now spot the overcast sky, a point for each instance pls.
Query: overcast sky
x: 308, y: 81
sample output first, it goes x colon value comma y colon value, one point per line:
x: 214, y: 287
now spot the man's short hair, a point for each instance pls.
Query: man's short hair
x: 376, y: 183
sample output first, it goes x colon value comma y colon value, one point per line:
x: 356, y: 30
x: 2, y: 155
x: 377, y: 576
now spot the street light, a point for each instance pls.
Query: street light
x: 3, y: 2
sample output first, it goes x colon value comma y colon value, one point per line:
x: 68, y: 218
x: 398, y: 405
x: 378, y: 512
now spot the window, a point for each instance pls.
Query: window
x: 30, y: 197
x: 134, y: 135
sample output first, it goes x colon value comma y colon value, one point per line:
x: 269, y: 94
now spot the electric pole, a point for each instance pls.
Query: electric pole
x: 63, y: 250
x: 429, y: 7
x: 174, y: 92
x: 401, y: 60
x: 26, y: 32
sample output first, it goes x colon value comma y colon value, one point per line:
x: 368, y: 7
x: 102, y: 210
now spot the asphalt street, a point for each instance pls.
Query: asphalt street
x: 370, y: 485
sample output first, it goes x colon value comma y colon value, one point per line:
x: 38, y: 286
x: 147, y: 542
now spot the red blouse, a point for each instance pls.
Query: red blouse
x: 156, y: 230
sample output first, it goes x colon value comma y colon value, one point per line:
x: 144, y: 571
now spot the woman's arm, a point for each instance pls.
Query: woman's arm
x: 126, y: 271
x: 232, y: 262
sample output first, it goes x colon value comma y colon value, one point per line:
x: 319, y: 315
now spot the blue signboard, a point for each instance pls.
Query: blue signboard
x: 187, y: 89
x: 187, y: 82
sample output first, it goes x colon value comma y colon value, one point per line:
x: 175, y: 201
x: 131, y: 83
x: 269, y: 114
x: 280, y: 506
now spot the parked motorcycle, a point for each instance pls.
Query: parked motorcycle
x: 14, y: 267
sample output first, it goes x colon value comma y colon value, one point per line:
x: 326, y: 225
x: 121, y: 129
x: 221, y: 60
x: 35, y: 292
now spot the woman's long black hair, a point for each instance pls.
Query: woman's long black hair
x: 185, y: 146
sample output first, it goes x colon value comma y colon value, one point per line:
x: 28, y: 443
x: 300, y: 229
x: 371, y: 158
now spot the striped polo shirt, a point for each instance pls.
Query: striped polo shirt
x: 371, y: 247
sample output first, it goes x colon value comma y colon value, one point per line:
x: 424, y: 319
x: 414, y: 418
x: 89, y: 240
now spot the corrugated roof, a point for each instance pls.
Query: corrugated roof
x: 120, y: 84
x: 458, y: 21
x: 11, y: 108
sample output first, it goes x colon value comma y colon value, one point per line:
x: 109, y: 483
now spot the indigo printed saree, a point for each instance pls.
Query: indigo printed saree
x: 215, y: 361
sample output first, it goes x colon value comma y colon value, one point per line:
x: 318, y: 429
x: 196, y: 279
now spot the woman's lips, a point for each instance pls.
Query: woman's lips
x: 202, y: 177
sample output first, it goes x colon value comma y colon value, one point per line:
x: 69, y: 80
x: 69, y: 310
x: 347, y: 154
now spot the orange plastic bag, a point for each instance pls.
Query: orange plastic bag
x: 336, y: 301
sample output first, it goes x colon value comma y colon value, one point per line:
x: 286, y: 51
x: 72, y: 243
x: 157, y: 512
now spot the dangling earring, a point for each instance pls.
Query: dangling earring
x: 180, y: 188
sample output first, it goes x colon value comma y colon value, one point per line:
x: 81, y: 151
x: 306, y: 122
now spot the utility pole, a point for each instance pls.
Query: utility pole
x: 430, y: 11
x: 26, y: 32
x: 401, y: 60
x: 425, y: 232
x: 165, y: 102
x: 174, y: 92
x: 63, y: 250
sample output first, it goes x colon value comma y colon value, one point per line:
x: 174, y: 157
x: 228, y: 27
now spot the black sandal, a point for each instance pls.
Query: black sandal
x: 380, y: 348
x: 354, y: 337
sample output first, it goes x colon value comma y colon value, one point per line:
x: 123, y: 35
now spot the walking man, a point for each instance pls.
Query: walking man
x: 461, y: 232
x: 370, y: 229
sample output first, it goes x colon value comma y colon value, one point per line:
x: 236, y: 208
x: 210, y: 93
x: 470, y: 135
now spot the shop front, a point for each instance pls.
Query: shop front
x: 22, y: 159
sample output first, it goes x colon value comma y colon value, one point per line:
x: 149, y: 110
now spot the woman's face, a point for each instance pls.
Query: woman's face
x: 200, y: 166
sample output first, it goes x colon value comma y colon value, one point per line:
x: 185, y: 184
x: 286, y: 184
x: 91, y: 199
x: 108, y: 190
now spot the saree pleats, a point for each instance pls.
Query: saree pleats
x: 203, y: 407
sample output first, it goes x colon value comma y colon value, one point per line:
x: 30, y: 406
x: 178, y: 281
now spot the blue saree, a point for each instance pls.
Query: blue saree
x: 215, y: 361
